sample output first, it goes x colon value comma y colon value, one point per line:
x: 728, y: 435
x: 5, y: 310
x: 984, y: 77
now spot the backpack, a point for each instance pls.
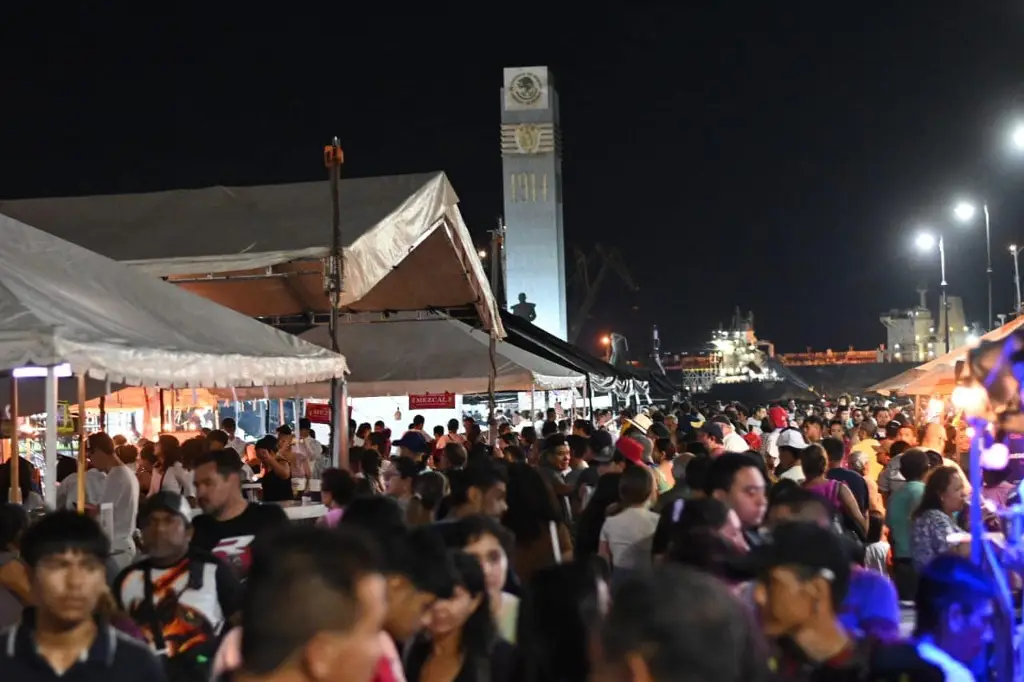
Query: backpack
x: 195, y: 665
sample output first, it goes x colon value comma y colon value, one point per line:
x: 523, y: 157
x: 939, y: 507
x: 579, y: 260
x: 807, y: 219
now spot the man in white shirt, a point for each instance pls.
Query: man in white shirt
x: 122, y: 493
x: 732, y: 441
x: 790, y: 443
x: 229, y: 427
x: 309, y: 448
x: 67, y: 489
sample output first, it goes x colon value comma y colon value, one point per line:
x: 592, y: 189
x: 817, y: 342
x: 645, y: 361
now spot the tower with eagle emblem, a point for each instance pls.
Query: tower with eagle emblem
x: 531, y: 162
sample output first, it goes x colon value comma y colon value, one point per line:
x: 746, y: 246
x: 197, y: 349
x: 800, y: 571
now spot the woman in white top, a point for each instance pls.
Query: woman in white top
x: 626, y: 537
x: 169, y: 473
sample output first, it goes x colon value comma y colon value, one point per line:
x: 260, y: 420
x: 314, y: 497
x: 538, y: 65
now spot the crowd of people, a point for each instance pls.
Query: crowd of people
x: 697, y: 543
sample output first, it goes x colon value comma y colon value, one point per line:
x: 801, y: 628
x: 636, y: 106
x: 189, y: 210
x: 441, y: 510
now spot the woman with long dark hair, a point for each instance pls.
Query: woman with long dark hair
x: 593, y: 516
x: 535, y: 519
x: 934, y: 530
x: 484, y: 538
x: 169, y: 472
x: 707, y: 536
x: 461, y: 643
x: 559, y: 608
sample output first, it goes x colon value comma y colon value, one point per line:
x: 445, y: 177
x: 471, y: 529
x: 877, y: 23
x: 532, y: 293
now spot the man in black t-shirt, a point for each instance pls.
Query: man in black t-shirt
x: 229, y: 523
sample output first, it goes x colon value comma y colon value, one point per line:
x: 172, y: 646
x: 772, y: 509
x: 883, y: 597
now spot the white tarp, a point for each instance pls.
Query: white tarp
x: 61, y: 303
x: 940, y: 370
x: 405, y: 243
x: 433, y: 355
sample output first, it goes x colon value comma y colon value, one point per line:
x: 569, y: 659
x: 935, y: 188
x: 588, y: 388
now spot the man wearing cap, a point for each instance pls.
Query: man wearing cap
x: 732, y: 441
x: 790, y: 443
x: 711, y: 435
x: 802, y: 577
x: 770, y: 441
x: 181, y: 597
x: 600, y: 458
x: 413, y: 445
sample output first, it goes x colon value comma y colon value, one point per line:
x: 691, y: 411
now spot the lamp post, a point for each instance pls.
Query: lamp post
x: 926, y: 242
x: 964, y: 211
x: 1016, y: 276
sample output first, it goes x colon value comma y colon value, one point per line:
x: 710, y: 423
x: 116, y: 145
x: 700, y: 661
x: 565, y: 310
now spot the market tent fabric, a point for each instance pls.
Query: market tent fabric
x: 413, y: 354
x: 260, y: 250
x: 933, y: 375
x: 140, y: 398
x: 60, y: 303
x: 604, y: 376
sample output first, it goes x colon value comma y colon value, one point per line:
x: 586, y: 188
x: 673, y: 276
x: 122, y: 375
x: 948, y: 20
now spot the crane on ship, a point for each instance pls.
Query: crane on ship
x: 605, y: 261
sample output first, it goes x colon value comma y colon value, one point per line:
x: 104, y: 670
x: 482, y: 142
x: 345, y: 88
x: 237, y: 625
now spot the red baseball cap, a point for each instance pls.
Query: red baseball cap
x: 779, y: 417
x: 631, y: 450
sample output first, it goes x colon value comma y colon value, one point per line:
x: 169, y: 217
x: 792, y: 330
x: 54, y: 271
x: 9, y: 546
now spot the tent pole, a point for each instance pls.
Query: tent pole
x: 163, y: 413
x: 103, y: 413
x: 590, y: 398
x: 14, y: 494
x: 492, y: 344
x: 50, y: 477
x: 333, y: 158
x: 82, y: 443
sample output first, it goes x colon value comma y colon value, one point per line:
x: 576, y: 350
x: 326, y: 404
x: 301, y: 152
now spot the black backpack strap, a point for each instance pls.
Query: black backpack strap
x: 149, y: 612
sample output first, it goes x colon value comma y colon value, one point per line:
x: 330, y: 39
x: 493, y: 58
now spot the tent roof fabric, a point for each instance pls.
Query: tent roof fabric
x: 943, y: 365
x: 410, y: 354
x: 223, y: 240
x: 61, y: 303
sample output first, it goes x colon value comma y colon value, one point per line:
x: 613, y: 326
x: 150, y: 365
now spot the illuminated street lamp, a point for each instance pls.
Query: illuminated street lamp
x: 1016, y: 275
x: 482, y: 253
x: 1017, y: 137
x: 965, y: 212
x: 926, y: 242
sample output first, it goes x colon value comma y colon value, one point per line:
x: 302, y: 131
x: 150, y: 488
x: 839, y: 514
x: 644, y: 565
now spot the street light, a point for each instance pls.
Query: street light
x: 965, y: 211
x: 482, y: 253
x: 1016, y: 275
x: 926, y: 242
x: 1017, y: 137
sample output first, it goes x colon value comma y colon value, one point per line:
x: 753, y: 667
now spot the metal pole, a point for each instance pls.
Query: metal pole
x: 977, y: 531
x: 492, y: 343
x: 333, y: 158
x: 944, y: 315
x: 988, y: 270
x: 1016, y: 277
x: 14, y: 494
x: 50, y: 477
x: 80, y: 505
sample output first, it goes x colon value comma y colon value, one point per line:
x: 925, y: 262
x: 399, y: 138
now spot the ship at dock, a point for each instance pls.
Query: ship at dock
x: 735, y: 355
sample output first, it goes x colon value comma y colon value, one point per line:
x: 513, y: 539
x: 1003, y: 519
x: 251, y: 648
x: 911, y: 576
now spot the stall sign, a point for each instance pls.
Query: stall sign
x: 432, y: 401
x: 318, y: 413
x: 65, y: 422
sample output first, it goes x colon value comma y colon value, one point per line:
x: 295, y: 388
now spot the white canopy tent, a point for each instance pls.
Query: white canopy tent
x: 260, y: 250
x: 938, y: 374
x: 420, y: 353
x: 60, y: 303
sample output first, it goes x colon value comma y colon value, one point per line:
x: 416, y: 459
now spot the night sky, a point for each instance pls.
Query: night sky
x: 735, y: 155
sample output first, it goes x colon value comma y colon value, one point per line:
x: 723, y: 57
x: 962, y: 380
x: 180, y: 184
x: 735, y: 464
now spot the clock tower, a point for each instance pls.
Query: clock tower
x: 531, y: 162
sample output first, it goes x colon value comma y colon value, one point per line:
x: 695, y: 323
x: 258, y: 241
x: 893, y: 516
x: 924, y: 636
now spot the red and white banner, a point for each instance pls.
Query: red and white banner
x: 432, y: 401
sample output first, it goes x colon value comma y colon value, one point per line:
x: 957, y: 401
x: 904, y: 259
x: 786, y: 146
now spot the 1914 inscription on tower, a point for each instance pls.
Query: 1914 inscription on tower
x: 532, y: 166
